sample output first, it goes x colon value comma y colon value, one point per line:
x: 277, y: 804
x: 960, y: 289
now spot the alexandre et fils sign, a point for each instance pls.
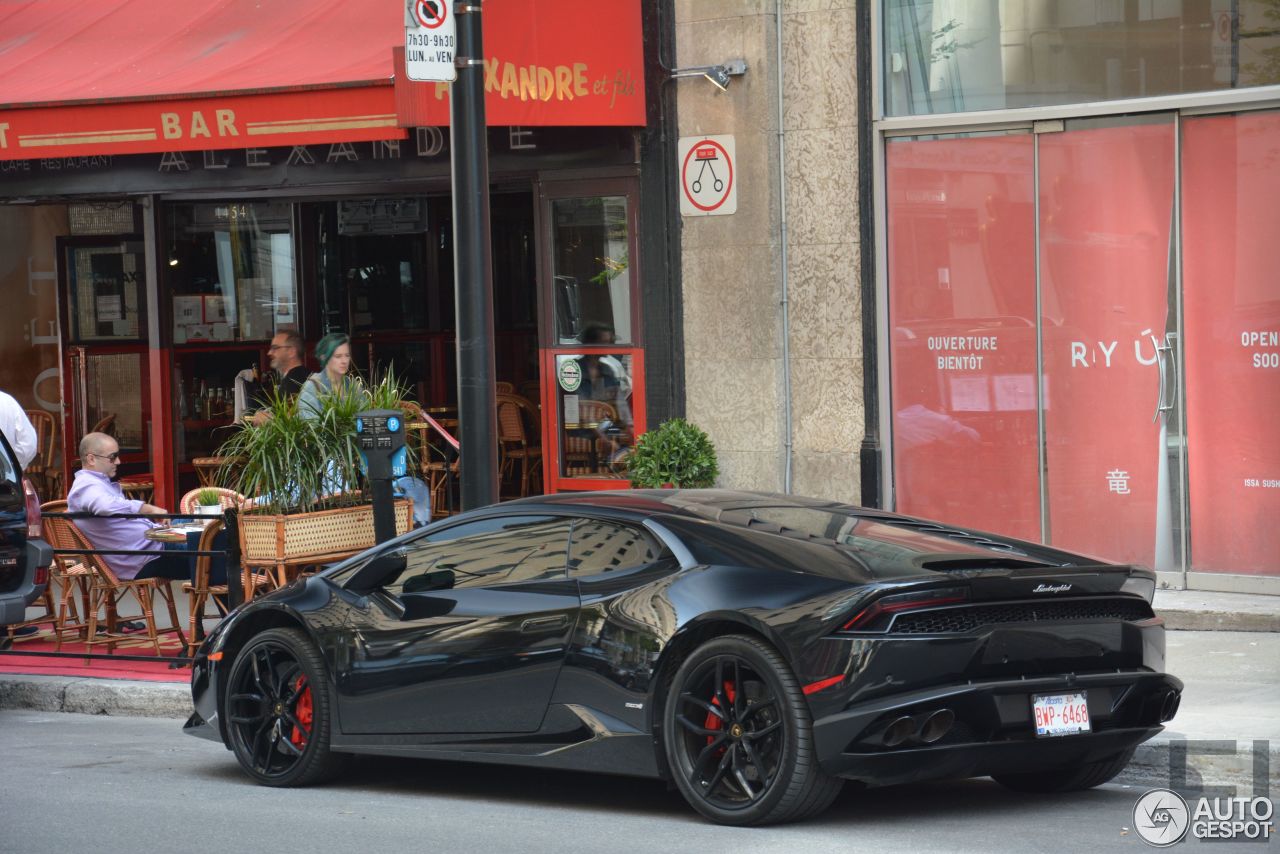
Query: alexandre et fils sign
x: 587, y: 70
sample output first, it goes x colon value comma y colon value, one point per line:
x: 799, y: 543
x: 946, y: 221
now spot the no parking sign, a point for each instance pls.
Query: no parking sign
x: 708, y: 179
x: 429, y: 41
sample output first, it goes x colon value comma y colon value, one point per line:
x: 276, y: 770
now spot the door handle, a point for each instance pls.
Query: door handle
x: 1162, y: 350
x: 540, y: 624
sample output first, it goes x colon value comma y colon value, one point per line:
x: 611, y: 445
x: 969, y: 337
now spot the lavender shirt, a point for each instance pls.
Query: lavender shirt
x: 94, y: 492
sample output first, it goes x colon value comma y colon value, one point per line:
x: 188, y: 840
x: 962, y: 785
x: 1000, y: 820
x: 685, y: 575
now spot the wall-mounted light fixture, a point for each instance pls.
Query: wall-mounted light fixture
x: 717, y: 74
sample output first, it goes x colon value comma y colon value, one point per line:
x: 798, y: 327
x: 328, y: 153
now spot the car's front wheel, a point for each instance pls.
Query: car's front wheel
x: 739, y: 737
x: 279, y: 710
x: 1083, y: 776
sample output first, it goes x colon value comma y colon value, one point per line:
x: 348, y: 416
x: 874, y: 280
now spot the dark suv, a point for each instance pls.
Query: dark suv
x: 24, y: 555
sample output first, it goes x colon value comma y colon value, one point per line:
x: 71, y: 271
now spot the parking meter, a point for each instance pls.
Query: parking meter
x: 383, y: 456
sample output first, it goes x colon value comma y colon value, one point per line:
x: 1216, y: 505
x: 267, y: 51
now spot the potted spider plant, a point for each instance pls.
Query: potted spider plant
x: 310, y: 499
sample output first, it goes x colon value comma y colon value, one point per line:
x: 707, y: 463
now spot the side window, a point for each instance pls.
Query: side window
x: 599, y: 546
x: 489, y: 551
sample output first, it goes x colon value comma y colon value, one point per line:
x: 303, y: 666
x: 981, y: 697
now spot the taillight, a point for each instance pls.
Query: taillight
x: 42, y: 575
x: 865, y: 618
x: 35, y: 522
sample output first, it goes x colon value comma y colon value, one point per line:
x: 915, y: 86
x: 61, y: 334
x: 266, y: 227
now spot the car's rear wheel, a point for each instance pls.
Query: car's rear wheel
x: 739, y: 737
x: 279, y: 710
x: 1083, y: 776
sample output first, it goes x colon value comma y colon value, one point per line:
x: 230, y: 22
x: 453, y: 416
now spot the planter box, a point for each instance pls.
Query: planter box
x: 293, y: 538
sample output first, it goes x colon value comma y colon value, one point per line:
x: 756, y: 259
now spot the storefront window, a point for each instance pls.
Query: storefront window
x: 104, y: 284
x: 596, y: 421
x: 945, y: 56
x: 963, y: 347
x: 230, y: 271
x: 591, y: 270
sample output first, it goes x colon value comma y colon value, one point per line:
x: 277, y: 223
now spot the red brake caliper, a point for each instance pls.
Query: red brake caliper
x: 303, y: 712
x: 713, y: 722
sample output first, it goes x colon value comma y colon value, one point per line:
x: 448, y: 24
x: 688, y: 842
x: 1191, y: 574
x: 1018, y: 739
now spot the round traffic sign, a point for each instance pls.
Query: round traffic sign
x: 706, y: 176
x: 430, y: 13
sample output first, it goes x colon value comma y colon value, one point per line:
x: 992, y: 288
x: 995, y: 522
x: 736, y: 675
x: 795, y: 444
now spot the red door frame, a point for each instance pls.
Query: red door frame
x: 549, y: 346
x: 74, y: 354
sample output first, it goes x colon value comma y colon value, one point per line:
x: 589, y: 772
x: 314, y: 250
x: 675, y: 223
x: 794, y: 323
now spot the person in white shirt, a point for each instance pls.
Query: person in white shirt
x: 17, y: 429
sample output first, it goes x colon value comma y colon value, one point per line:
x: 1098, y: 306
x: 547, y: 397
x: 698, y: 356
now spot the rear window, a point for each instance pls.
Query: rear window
x: 7, y: 470
x: 10, y: 479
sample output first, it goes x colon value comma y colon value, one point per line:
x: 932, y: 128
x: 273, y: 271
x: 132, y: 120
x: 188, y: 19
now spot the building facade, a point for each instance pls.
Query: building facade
x: 1007, y: 267
x: 162, y: 223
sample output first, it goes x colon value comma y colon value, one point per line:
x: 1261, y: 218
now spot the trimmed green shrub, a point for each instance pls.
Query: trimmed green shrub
x: 676, y: 453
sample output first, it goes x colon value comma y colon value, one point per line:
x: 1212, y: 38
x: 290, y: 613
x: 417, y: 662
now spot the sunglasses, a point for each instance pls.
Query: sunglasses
x: 113, y: 456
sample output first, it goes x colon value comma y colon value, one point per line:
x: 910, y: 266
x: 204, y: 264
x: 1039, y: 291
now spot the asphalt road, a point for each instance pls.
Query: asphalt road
x: 105, y: 784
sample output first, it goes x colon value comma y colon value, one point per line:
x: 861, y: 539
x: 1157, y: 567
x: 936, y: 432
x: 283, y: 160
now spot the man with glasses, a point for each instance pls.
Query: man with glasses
x: 285, y: 353
x: 95, y: 490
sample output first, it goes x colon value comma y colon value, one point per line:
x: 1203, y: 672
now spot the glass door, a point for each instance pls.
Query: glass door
x: 592, y: 361
x: 105, y: 373
x: 962, y: 312
x: 1109, y: 326
x: 1231, y: 188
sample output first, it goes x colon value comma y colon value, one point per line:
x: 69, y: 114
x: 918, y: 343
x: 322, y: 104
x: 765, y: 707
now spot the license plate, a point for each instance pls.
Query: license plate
x: 1060, y: 714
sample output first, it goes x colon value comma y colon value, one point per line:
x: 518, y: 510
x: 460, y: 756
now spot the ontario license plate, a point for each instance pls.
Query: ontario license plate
x: 1060, y: 714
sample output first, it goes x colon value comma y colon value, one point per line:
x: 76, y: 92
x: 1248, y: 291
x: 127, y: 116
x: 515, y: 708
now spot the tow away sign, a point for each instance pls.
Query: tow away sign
x: 429, y: 40
x: 708, y: 185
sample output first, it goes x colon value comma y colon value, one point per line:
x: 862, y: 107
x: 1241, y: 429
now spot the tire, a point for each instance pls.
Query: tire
x: 1075, y: 779
x: 738, y: 736
x: 279, y: 711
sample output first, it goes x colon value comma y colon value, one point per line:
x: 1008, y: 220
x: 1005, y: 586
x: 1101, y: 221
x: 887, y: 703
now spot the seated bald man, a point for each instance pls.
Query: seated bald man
x: 95, y: 491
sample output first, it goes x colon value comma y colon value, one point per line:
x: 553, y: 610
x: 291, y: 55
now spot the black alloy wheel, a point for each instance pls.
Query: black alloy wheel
x: 278, y: 710
x: 739, y: 737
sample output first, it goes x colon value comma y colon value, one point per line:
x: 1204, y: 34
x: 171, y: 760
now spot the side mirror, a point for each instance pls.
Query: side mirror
x: 378, y: 572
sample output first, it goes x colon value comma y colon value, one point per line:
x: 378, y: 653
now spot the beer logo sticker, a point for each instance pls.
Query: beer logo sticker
x: 570, y: 375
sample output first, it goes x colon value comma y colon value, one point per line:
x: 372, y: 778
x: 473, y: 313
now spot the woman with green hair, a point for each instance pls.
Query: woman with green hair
x: 333, y: 352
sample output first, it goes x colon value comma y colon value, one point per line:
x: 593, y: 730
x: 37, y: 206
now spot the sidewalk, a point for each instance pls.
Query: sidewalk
x: 1231, y: 676
x: 1196, y: 610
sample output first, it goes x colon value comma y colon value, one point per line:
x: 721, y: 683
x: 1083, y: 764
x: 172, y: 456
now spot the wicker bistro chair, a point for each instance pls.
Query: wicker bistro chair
x: 66, y: 576
x: 69, y: 573
x: 207, y: 469
x: 43, y: 469
x: 583, y: 444
x: 516, y: 444
x: 201, y: 592
x: 106, y: 591
x: 106, y: 424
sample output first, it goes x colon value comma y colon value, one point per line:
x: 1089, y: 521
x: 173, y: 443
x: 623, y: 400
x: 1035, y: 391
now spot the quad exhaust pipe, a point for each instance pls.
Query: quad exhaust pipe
x: 924, y: 728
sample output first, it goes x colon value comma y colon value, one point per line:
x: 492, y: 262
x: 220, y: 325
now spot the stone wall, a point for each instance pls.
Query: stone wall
x: 732, y: 264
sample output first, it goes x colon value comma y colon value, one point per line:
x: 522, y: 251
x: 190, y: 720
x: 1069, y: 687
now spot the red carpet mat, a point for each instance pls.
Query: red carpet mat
x: 150, y: 671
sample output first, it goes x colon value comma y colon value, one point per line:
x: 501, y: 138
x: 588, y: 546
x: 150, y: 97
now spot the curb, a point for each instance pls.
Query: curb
x: 1218, y: 621
x: 92, y: 696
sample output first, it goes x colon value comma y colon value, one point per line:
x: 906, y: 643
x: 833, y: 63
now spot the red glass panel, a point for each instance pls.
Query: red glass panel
x: 1106, y: 201
x: 962, y: 315
x: 1231, y: 188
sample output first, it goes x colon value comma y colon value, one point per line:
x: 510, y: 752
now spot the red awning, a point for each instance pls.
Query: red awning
x: 135, y: 76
